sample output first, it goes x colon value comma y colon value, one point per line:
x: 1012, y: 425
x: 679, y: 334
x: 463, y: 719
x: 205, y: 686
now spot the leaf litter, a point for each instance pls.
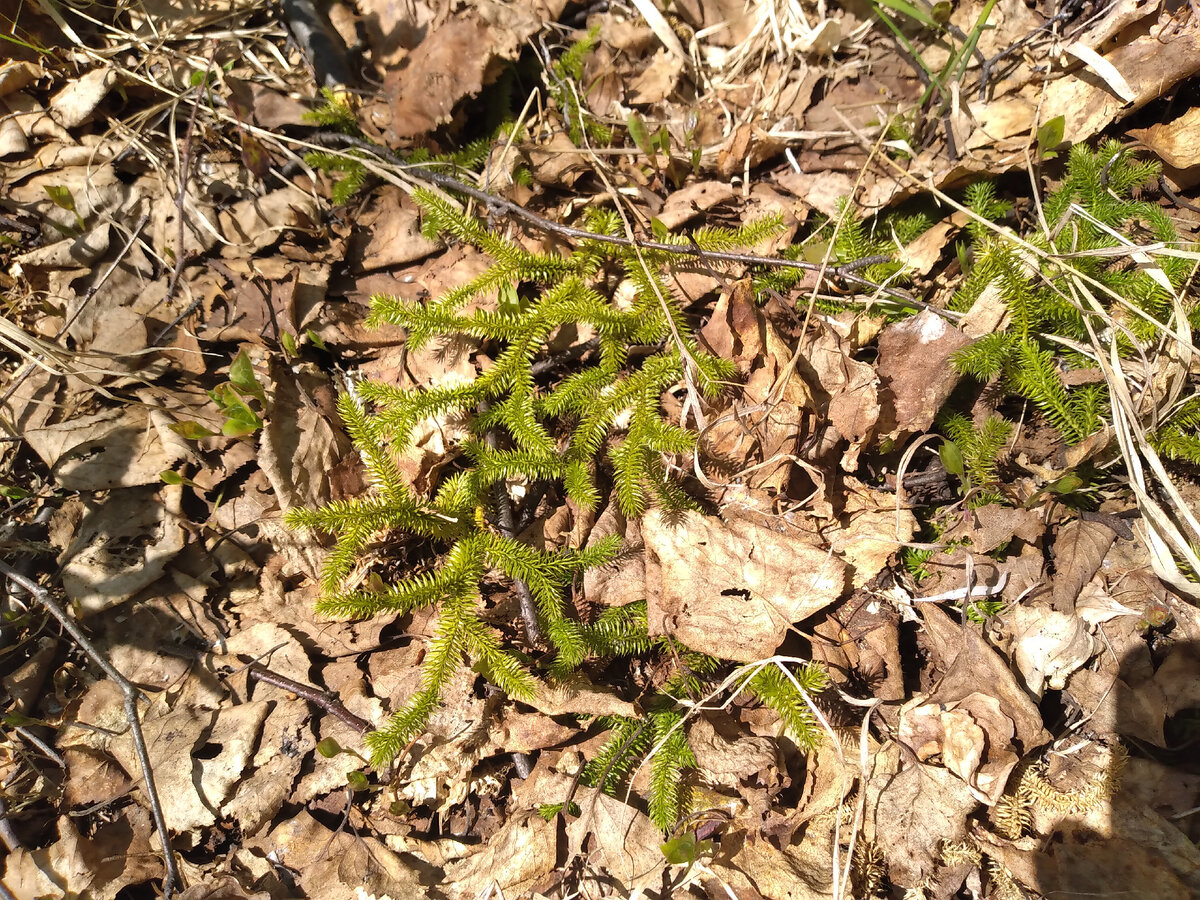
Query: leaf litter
x: 1012, y: 697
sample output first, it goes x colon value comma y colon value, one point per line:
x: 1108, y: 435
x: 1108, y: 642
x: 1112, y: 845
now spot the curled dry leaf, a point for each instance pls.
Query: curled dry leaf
x: 111, y: 552
x: 75, y: 103
x: 1048, y: 645
x: 111, y: 449
x: 972, y: 736
x: 971, y: 665
x: 869, y: 530
x: 916, y: 810
x: 198, y: 755
x: 756, y: 867
x: 728, y: 758
x: 915, y: 374
x: 616, y: 837
x: 1079, y: 551
x: 732, y: 589
x: 330, y: 865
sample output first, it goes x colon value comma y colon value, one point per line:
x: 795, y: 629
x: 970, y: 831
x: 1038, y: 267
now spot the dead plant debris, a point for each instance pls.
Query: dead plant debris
x: 980, y: 593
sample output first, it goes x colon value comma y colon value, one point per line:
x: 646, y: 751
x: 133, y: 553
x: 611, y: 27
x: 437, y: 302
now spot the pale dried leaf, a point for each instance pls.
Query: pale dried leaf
x: 522, y: 851
x: 1048, y: 645
x: 732, y: 589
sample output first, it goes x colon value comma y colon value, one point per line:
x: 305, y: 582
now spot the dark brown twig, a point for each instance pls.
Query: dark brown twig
x: 844, y: 273
x: 313, y: 695
x: 506, y: 523
x: 132, y: 695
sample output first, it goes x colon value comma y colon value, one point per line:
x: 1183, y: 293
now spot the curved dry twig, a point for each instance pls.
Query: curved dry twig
x: 132, y: 695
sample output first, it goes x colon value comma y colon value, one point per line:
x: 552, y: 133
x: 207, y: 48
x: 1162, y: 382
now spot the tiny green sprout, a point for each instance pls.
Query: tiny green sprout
x: 1157, y: 615
x: 549, y: 810
x: 952, y: 459
x: 399, y: 807
x: 685, y: 849
x: 638, y: 131
x: 1067, y: 484
x: 169, y: 477
x: 60, y: 195
x: 1050, y: 135
x: 242, y: 377
x: 240, y: 419
x: 357, y: 781
x: 287, y: 340
x: 191, y: 431
x: 315, y: 339
x: 329, y: 748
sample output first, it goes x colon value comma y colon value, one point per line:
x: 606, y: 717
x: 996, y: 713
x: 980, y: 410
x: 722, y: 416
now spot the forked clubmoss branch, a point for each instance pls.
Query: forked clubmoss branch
x: 1095, y: 229
x: 519, y: 429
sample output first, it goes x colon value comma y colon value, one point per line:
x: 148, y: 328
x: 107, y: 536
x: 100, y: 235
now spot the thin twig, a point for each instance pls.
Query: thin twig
x: 8, y: 834
x: 185, y: 165
x: 27, y: 370
x: 315, y: 696
x: 132, y: 695
x: 507, y: 524
x: 844, y: 273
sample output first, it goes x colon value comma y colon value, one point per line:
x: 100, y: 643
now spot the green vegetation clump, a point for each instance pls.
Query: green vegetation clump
x: 601, y: 422
x: 1072, y: 288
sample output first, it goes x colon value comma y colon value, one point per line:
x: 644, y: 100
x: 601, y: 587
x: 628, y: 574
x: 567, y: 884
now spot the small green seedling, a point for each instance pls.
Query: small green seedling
x: 60, y: 195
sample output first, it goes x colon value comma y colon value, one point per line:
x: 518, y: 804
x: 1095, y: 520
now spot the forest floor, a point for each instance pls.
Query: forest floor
x: 944, y: 504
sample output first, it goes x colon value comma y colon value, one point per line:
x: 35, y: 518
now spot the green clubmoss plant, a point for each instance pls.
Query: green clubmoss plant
x: 1094, y: 223
x: 521, y: 425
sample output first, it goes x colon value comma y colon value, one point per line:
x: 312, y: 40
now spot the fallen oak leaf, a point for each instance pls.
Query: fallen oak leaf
x: 732, y: 589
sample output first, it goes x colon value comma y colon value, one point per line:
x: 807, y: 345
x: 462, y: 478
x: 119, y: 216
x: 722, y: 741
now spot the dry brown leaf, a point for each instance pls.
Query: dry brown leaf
x: 101, y: 864
x: 456, y: 58
x: 576, y: 695
x: 1047, y: 645
x: 112, y: 449
x: 693, y: 200
x: 114, y: 548
x: 1079, y: 550
x: 971, y: 665
x: 69, y: 253
x: 845, y: 389
x: 917, y: 809
x: 330, y: 865
x: 915, y: 374
x: 1114, y: 706
x: 393, y: 232
x: 616, y: 837
x: 1179, y: 679
x: 198, y: 755
x: 869, y: 530
x: 725, y: 756
x: 524, y: 850
x: 756, y: 868
x: 993, y: 526
x: 862, y: 637
x: 732, y: 589
x: 973, y: 736
x: 1152, y: 64
x: 253, y: 225
x: 224, y: 887
x: 1177, y: 143
x: 75, y: 103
